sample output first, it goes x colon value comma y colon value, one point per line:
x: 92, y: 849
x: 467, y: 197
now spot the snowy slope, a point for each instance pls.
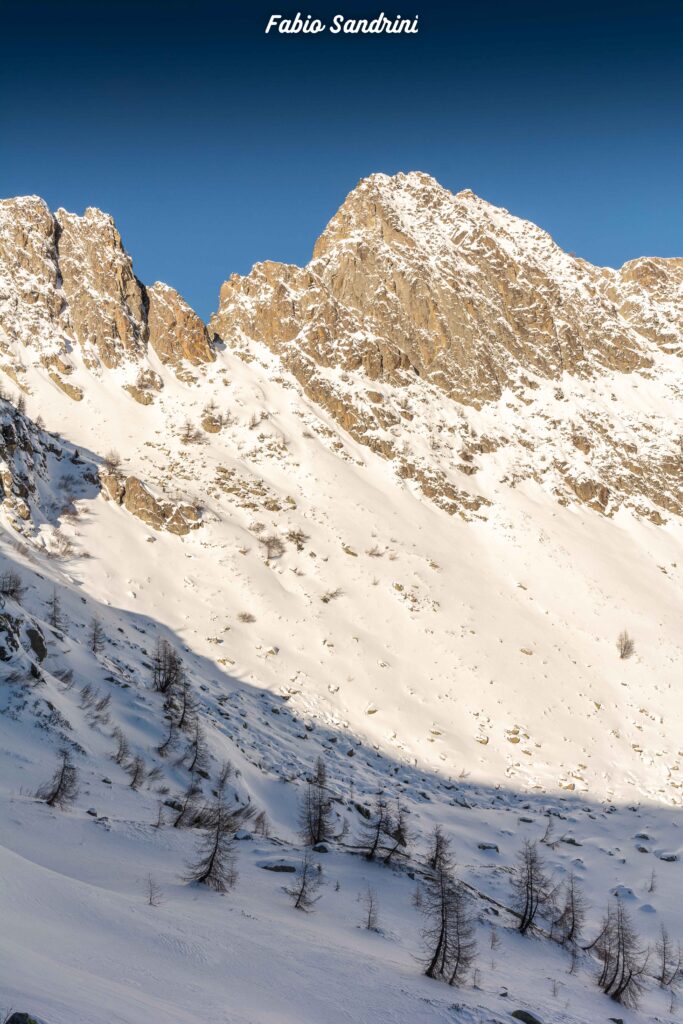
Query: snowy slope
x: 468, y: 666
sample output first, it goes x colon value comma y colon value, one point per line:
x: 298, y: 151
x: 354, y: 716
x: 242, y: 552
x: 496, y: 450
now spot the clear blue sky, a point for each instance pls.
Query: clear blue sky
x: 215, y: 146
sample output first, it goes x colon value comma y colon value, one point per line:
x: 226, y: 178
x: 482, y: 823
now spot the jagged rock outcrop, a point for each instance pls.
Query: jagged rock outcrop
x: 105, y: 300
x: 174, y: 517
x: 23, y: 460
x: 408, y: 276
x: 67, y: 288
x: 176, y: 333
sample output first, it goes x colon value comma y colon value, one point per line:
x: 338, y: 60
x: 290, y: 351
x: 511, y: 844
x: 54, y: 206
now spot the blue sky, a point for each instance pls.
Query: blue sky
x: 215, y: 146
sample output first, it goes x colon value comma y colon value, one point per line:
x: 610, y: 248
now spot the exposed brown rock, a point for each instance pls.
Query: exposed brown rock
x: 175, y: 331
x: 178, y: 518
x: 66, y: 281
x: 31, y: 303
x: 113, y: 485
x: 416, y: 301
x: 212, y: 422
x: 72, y: 390
x: 105, y: 299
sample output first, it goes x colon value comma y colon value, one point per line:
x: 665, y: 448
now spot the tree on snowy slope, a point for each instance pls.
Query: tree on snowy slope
x: 449, y: 933
x: 215, y: 863
x: 62, y: 789
x: 399, y: 836
x: 185, y: 702
x: 623, y: 960
x: 122, y: 751
x: 95, y: 636
x: 166, y: 667
x: 187, y: 809
x: 181, y: 708
x: 669, y: 959
x: 569, y: 923
x: 439, y: 854
x: 196, y: 757
x: 11, y: 585
x: 315, y: 810
x: 532, y: 888
x: 55, y: 616
x: 304, y: 889
x: 376, y: 829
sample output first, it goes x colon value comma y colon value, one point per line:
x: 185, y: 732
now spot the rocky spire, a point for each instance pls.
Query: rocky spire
x: 67, y: 283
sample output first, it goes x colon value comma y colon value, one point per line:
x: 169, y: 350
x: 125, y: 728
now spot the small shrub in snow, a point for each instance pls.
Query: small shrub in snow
x: 625, y: 645
x: 274, y: 546
x: 11, y: 585
x: 112, y: 461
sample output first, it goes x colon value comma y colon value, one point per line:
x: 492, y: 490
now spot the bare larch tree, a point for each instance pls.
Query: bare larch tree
x: 95, y: 636
x: 448, y: 934
x: 166, y: 667
x: 532, y: 889
x: 303, y: 890
x: 370, y: 910
x: 62, y: 789
x: 621, y: 956
x: 55, y: 616
x: 669, y: 959
x: 315, y: 809
x: 377, y: 829
x: 215, y: 863
x: 569, y: 922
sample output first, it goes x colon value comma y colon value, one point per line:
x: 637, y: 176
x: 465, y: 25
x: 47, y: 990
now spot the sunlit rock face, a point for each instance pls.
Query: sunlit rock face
x: 433, y: 294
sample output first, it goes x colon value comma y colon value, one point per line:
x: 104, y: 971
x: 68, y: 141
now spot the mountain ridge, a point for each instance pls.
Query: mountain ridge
x: 468, y: 608
x: 412, y: 293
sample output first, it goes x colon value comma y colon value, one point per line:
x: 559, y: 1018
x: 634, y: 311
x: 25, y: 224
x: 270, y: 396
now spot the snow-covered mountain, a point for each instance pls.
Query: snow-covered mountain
x: 398, y: 509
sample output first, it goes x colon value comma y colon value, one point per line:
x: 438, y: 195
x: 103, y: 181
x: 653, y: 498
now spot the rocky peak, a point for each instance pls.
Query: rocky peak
x: 30, y: 300
x: 414, y: 295
x: 105, y: 300
x: 67, y: 284
x: 472, y: 295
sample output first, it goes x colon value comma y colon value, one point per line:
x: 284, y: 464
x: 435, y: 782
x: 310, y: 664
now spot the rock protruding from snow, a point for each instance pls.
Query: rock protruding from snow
x: 175, y: 517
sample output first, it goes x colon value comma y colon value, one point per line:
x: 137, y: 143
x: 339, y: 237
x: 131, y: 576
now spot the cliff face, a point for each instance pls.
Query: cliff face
x: 459, y: 293
x: 67, y: 286
x: 424, y: 296
x: 452, y: 338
